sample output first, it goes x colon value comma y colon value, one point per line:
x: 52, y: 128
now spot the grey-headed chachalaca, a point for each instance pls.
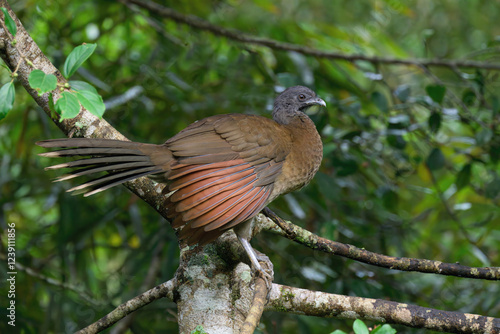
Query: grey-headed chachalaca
x: 224, y: 169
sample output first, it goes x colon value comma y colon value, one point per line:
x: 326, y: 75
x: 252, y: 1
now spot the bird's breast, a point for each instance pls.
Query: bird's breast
x: 303, y: 161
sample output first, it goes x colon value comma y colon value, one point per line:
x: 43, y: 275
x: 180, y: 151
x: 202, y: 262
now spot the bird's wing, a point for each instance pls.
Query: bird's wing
x: 225, y: 171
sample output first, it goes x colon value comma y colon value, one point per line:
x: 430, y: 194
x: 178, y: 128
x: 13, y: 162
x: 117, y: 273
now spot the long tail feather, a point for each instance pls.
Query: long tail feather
x: 124, y: 161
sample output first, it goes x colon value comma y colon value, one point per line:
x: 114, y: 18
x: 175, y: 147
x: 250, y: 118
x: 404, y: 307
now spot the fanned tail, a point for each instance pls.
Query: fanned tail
x: 122, y: 160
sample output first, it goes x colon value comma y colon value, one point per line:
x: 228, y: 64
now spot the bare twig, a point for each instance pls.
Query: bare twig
x: 163, y: 290
x: 198, y: 23
x: 313, y: 241
x: 49, y: 280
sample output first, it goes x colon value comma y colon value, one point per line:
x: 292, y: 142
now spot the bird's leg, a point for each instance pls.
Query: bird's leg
x: 267, y: 273
x: 244, y: 233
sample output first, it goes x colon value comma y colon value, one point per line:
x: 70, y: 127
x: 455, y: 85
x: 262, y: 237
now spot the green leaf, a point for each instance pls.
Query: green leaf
x: 434, y: 122
x: 91, y: 101
x: 402, y: 92
x: 468, y: 97
x: 345, y: 167
x: 67, y: 105
x: 7, y: 93
x: 42, y: 82
x: 338, y: 331
x: 9, y: 22
x: 359, y: 327
x: 385, y: 329
x: 199, y: 330
x: 492, y: 189
x: 76, y: 58
x: 389, y: 199
x: 82, y: 85
x: 463, y: 177
x: 495, y: 152
x: 396, y: 141
x: 436, y: 92
x: 435, y: 160
x: 484, y: 136
x: 495, y: 105
x: 380, y: 101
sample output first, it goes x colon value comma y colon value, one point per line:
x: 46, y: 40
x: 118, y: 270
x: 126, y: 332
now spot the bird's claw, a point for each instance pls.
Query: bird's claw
x: 265, y: 270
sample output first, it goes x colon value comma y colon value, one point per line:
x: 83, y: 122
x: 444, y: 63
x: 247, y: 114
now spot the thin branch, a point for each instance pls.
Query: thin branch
x: 49, y: 280
x: 313, y: 241
x: 233, y: 34
x: 326, y: 305
x: 163, y: 290
x: 453, y: 96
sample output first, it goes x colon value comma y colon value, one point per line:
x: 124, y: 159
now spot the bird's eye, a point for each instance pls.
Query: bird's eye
x: 302, y: 97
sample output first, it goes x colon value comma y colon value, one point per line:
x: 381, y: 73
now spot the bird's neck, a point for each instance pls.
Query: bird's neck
x: 283, y: 116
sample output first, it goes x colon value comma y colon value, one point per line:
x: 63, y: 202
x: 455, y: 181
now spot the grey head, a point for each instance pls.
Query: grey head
x: 292, y: 102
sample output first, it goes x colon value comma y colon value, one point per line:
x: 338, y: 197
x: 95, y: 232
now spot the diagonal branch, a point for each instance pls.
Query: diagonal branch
x: 236, y: 35
x: 306, y: 238
x: 163, y: 290
x: 89, y: 126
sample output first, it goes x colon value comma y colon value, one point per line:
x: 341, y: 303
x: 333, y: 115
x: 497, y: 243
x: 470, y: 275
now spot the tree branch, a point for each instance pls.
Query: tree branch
x: 49, y: 280
x: 326, y: 305
x: 163, y: 290
x: 233, y: 34
x: 306, y: 238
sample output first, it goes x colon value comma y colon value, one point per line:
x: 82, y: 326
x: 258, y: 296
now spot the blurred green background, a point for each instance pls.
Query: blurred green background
x: 410, y: 162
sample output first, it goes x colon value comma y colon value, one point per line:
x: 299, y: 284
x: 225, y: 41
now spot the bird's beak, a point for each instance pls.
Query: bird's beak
x: 312, y: 102
x: 316, y: 100
x: 321, y: 102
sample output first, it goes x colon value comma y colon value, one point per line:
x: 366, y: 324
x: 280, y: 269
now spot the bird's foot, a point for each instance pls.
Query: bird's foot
x: 265, y: 270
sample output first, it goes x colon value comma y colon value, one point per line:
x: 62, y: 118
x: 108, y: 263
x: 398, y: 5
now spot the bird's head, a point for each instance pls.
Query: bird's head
x: 293, y: 101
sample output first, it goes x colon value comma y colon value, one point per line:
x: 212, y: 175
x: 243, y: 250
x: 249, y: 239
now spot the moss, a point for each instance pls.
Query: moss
x: 199, y: 330
x: 287, y: 295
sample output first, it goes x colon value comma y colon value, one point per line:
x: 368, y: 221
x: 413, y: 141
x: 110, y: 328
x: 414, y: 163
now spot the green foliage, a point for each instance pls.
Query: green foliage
x: 384, y: 329
x: 463, y: 177
x: 7, y: 93
x: 76, y: 58
x: 9, y: 22
x: 359, y: 327
x: 436, y: 159
x: 68, y: 105
x: 91, y: 101
x: 199, y: 330
x: 436, y: 92
x: 42, y: 82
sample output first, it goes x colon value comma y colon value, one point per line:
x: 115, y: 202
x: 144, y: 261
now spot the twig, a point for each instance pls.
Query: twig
x: 49, y: 280
x: 163, y: 290
x: 313, y: 241
x: 233, y: 34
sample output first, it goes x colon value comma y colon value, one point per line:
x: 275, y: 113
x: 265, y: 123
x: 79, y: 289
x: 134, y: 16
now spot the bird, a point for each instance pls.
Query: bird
x: 220, y: 171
